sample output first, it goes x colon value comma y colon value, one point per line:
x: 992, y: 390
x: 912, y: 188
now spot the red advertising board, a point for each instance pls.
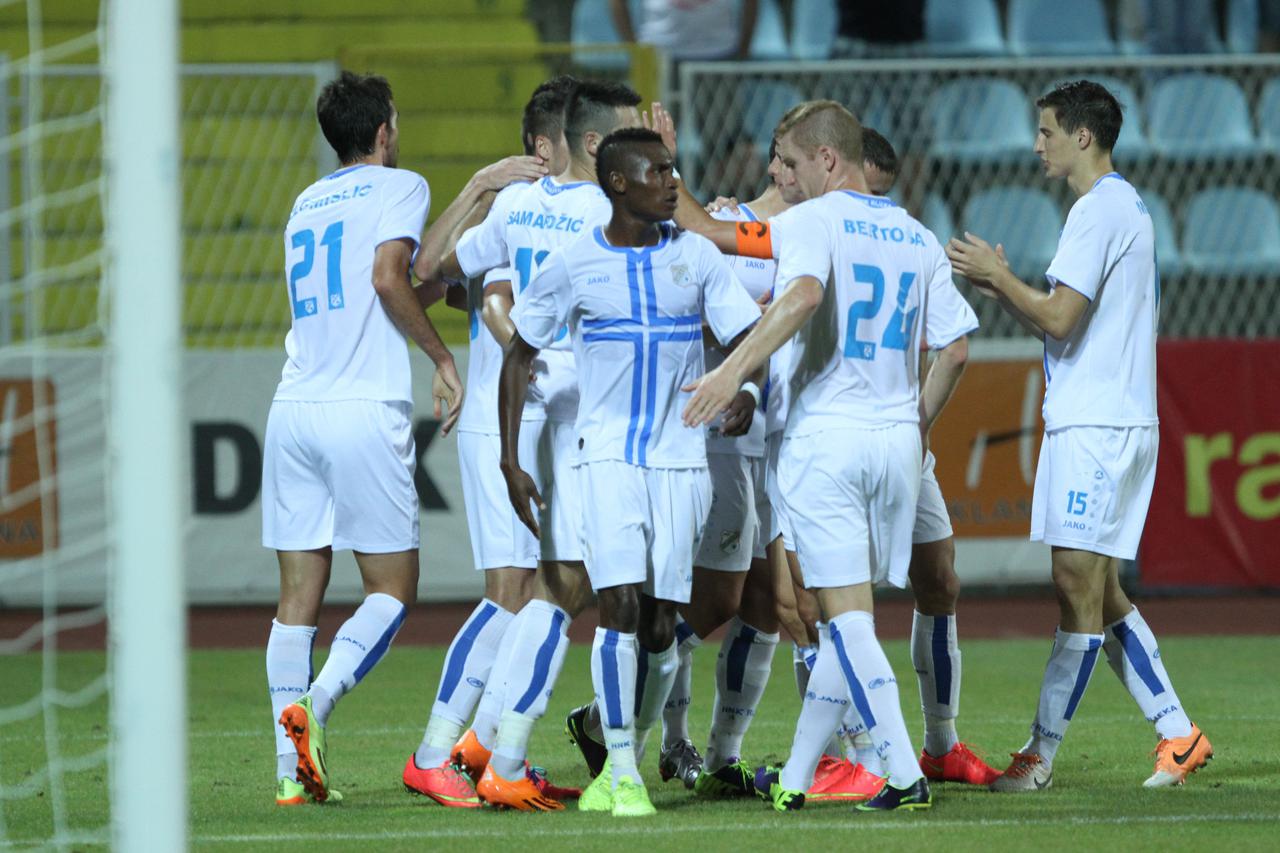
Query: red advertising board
x: 1215, y: 514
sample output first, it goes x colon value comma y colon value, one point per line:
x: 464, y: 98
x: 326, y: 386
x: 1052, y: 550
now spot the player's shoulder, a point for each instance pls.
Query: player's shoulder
x: 1112, y: 202
x: 396, y: 178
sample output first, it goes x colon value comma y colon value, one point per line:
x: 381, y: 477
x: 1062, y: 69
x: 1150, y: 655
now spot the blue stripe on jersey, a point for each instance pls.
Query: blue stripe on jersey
x: 341, y: 172
x: 637, y: 378
x: 751, y: 214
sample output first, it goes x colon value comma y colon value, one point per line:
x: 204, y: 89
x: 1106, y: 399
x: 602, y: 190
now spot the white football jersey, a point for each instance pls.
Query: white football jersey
x: 886, y: 284
x: 1104, y: 373
x: 635, y: 316
x: 526, y: 223
x: 484, y: 361
x: 342, y: 344
x: 756, y: 276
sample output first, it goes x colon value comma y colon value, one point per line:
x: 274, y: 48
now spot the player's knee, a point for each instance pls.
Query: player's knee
x: 757, y: 609
x: 1076, y: 582
x: 934, y: 581
x: 657, y: 631
x: 620, y: 608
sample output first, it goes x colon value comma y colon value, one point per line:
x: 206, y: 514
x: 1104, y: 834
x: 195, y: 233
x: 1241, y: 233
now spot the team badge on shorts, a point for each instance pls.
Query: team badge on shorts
x: 730, y: 540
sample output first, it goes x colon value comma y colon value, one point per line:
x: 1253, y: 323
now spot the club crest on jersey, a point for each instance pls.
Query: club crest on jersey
x: 680, y: 275
x: 730, y: 540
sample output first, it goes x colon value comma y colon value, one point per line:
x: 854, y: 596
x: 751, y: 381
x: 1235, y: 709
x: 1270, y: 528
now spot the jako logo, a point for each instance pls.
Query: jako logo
x: 877, y: 683
x: 475, y: 682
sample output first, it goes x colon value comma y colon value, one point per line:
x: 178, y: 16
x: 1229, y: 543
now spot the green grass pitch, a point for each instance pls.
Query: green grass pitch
x: 1097, y: 800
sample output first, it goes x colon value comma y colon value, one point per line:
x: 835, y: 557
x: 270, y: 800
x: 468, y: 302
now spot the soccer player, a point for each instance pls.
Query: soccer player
x: 1098, y: 459
x: 526, y: 223
x: 503, y: 548
x: 850, y: 464
x: 338, y: 460
x: 635, y: 293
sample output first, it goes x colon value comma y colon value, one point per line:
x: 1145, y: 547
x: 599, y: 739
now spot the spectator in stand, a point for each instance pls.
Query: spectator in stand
x: 879, y: 27
x: 690, y: 29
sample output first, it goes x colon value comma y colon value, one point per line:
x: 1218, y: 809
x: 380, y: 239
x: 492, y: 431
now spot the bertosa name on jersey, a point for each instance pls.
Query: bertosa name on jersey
x: 547, y: 221
x: 861, y: 228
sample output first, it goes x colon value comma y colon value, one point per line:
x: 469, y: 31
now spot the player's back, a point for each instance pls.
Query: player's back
x: 855, y: 362
x: 1104, y: 372
x: 342, y: 344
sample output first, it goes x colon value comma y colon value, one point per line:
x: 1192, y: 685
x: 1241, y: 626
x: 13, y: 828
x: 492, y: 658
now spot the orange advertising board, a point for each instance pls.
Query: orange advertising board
x: 28, y: 468
x: 987, y: 443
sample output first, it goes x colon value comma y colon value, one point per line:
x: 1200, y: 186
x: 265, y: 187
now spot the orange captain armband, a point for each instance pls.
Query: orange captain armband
x: 754, y: 240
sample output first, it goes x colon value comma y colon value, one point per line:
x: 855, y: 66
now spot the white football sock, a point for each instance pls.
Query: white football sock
x: 536, y: 659
x: 874, y: 691
x: 489, y: 711
x: 288, y: 677
x: 826, y: 697
x: 936, y: 658
x: 1066, y: 676
x: 802, y: 661
x: 613, y: 675
x: 467, y: 666
x: 1134, y: 656
x: 675, y: 712
x: 656, y: 673
x: 358, y: 646
x: 742, y: 673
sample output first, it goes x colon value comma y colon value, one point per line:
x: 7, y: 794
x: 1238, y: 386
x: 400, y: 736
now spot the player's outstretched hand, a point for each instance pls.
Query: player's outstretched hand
x: 521, y: 490
x: 447, y: 392
x: 509, y: 170
x: 737, y: 420
x: 712, y: 394
x: 722, y: 203
x: 660, y: 121
x: 974, y: 259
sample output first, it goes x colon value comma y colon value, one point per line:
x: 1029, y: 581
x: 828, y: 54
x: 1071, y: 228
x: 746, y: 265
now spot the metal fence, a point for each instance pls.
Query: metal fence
x: 1201, y: 141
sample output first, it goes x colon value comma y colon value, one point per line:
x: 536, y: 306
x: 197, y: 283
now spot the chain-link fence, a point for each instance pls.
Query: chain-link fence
x: 1201, y: 141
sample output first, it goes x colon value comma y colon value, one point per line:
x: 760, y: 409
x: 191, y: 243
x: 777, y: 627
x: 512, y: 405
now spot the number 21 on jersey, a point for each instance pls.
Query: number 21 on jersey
x: 897, y: 333
x: 332, y: 243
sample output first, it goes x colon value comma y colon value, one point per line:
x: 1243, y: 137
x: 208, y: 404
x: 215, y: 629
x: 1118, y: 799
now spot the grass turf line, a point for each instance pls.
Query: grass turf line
x: 1097, y: 798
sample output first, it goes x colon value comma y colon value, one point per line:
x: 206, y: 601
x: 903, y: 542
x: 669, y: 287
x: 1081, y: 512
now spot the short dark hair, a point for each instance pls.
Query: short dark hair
x: 1083, y: 103
x: 544, y: 114
x: 592, y: 106
x: 350, y: 110
x: 618, y: 149
x: 878, y: 151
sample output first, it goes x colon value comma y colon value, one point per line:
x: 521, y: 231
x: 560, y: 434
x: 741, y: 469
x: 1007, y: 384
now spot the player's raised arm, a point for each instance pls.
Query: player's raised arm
x: 496, y: 307
x: 391, y: 283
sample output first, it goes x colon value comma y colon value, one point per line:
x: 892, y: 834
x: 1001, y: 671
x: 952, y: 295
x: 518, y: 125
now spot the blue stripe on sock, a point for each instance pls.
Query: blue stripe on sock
x: 642, y: 674
x: 683, y: 631
x: 1082, y: 677
x: 380, y: 648
x: 612, y: 688
x: 736, y: 665
x: 542, y: 663
x: 855, y: 686
x: 457, y: 662
x: 1138, y: 656
x: 941, y: 660
x: 311, y: 664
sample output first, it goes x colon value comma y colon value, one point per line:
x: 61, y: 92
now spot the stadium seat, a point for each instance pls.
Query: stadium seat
x: 592, y: 24
x: 1269, y: 116
x: 1241, y: 31
x: 813, y: 28
x: 1167, y: 252
x: 1025, y: 220
x: 962, y: 28
x: 1198, y: 115
x: 1232, y: 231
x: 1052, y: 27
x: 980, y: 120
x: 763, y: 103
x: 769, y: 41
x: 936, y: 216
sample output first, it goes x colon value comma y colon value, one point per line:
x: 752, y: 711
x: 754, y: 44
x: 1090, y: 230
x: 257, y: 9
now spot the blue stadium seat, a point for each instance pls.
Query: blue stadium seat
x: 1232, y: 231
x: 936, y: 216
x: 1052, y: 27
x: 962, y: 28
x: 1242, y: 24
x: 763, y: 103
x: 813, y: 28
x: 980, y: 120
x: 1166, y: 233
x: 1269, y: 116
x: 1197, y: 115
x: 1025, y: 220
x: 592, y: 23
x: 769, y: 41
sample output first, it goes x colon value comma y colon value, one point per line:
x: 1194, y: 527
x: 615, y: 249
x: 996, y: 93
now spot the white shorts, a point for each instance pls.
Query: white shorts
x: 730, y: 531
x: 851, y: 497
x: 498, y: 538
x: 779, y: 524
x: 644, y: 526
x: 561, y: 522
x: 766, y: 519
x: 1093, y: 487
x: 933, y: 522
x: 339, y: 474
